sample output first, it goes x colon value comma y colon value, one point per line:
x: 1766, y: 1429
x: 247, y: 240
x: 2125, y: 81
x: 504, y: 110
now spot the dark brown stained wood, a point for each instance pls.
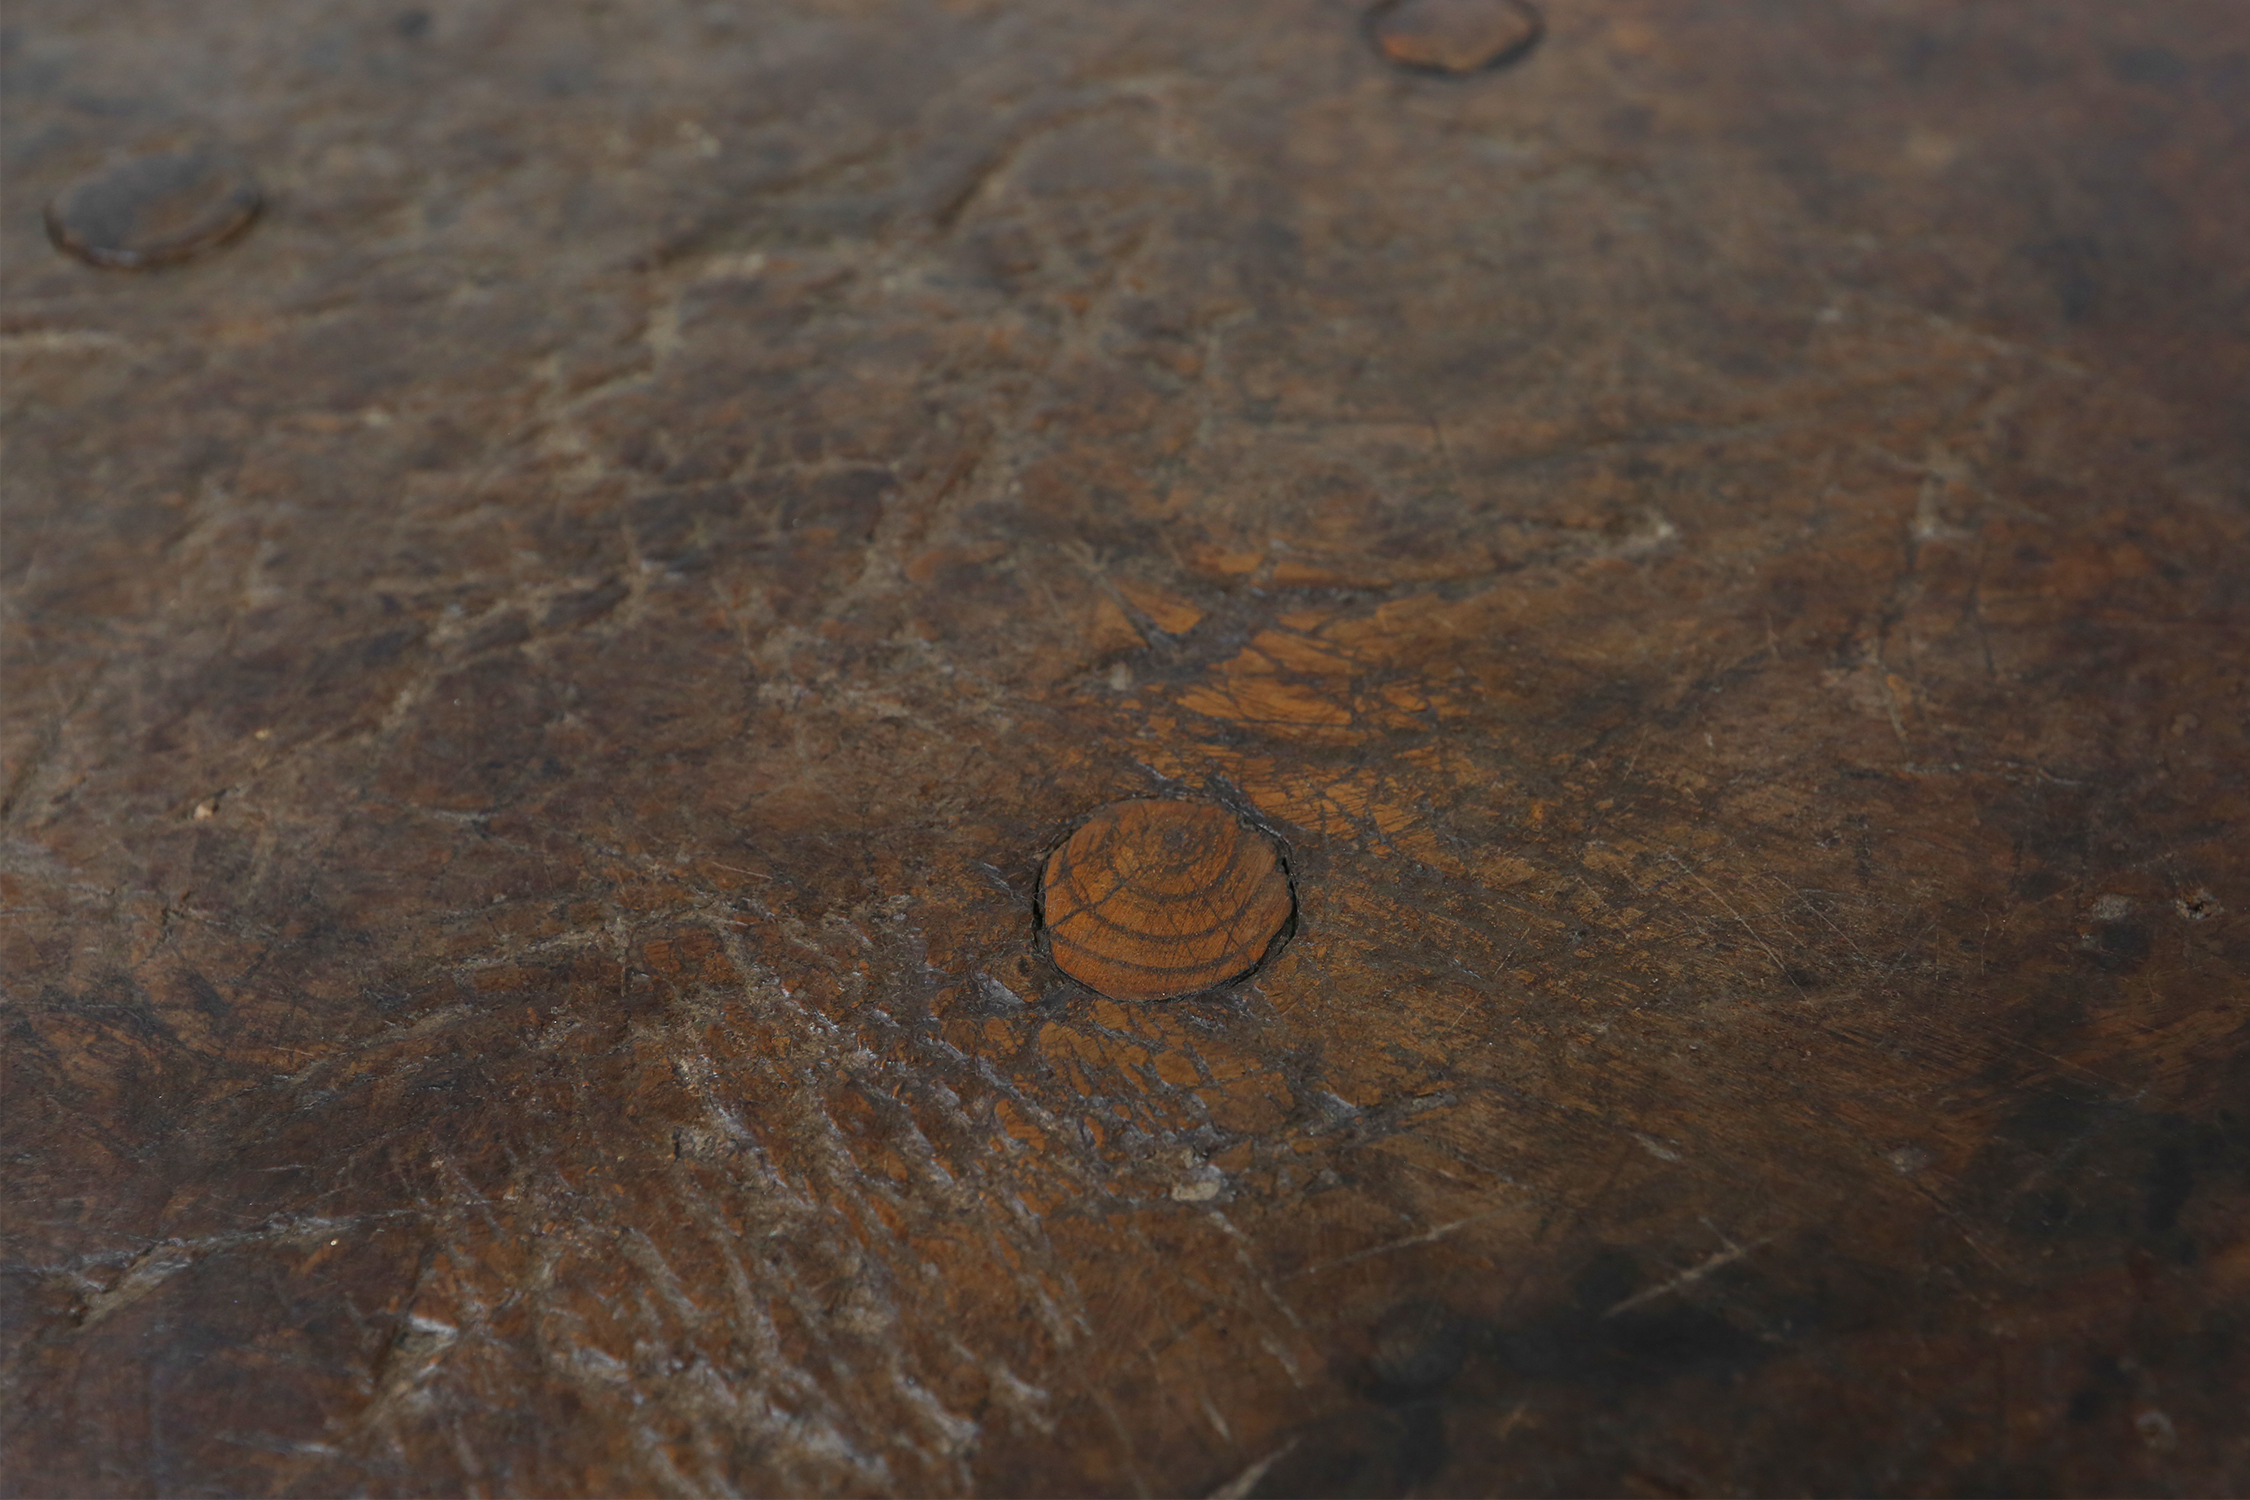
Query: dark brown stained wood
x: 538, y: 684
x: 1453, y: 36
x: 157, y: 208
x: 1151, y: 899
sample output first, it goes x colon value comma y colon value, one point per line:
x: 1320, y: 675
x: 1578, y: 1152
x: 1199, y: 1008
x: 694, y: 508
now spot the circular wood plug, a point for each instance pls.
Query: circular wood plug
x: 155, y: 209
x: 1453, y: 36
x: 1152, y: 900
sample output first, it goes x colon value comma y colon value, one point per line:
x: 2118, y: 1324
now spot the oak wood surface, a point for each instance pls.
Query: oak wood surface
x: 541, y: 680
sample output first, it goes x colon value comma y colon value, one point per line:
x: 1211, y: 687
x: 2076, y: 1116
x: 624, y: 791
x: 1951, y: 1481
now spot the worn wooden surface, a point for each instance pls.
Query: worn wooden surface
x: 540, y: 678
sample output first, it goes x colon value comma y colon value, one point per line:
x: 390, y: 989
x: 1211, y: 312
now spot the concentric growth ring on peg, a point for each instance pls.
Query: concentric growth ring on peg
x: 1152, y: 899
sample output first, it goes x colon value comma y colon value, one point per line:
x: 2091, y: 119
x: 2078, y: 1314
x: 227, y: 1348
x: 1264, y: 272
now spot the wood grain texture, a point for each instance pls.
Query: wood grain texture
x: 538, y: 683
x: 1155, y: 898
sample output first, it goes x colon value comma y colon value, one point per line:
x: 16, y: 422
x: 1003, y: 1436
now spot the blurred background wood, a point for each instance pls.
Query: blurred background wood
x: 540, y: 679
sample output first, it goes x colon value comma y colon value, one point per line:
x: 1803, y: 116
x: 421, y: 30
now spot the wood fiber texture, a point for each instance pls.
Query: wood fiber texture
x: 541, y: 679
x: 1155, y: 898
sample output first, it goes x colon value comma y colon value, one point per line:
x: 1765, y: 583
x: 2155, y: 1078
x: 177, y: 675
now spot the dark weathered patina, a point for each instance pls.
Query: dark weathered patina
x: 539, y: 680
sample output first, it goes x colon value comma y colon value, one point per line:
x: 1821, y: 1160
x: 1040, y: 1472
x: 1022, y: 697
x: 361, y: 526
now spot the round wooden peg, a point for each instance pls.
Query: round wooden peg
x: 1153, y: 899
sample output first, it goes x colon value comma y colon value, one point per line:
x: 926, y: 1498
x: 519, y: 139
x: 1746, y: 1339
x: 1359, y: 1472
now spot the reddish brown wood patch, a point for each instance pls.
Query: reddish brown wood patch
x: 1151, y: 900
